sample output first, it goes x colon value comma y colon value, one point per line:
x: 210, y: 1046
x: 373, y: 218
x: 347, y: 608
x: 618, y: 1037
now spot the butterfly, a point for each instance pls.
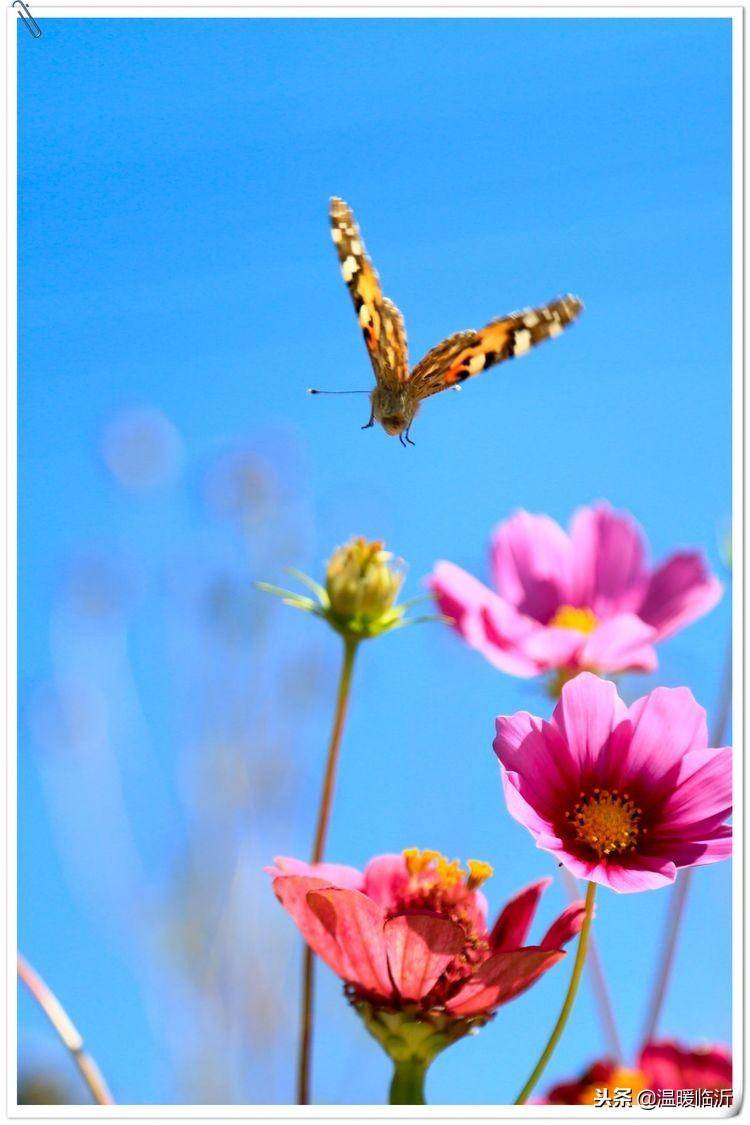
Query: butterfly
x: 399, y: 391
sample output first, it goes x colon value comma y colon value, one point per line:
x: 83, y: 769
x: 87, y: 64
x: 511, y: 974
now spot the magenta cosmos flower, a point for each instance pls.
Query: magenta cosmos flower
x: 573, y: 601
x: 621, y: 796
x: 410, y: 939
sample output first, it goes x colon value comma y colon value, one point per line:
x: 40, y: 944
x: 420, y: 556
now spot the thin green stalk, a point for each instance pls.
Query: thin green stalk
x: 67, y: 1032
x: 679, y: 897
x: 407, y: 1085
x: 321, y: 833
x: 598, y: 981
x: 570, y: 996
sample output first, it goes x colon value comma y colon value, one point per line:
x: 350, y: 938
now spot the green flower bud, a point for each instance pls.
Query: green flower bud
x: 362, y: 584
x: 359, y: 597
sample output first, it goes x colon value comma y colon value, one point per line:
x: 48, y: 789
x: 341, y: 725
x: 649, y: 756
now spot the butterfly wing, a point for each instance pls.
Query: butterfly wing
x: 380, y: 320
x: 467, y: 353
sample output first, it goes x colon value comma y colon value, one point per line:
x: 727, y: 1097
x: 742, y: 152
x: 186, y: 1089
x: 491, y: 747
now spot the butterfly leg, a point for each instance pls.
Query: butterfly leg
x: 371, y: 422
x: 408, y: 438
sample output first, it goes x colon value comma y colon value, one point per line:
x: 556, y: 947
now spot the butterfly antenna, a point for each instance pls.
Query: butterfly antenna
x: 315, y: 391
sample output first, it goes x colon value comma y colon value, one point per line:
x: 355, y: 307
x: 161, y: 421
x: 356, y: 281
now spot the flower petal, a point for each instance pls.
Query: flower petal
x: 679, y: 591
x: 485, y: 621
x: 624, y: 643
x: 335, y: 874
x: 538, y: 755
x: 588, y: 711
x: 715, y: 846
x: 514, y: 921
x: 500, y: 978
x: 522, y: 811
x: 292, y: 891
x: 609, y: 566
x: 565, y: 926
x: 667, y: 724
x: 506, y: 634
x: 460, y: 596
x: 420, y: 947
x: 356, y: 924
x: 646, y: 874
x: 555, y: 647
x: 702, y: 791
x: 531, y: 564
x: 384, y: 878
x: 672, y: 1066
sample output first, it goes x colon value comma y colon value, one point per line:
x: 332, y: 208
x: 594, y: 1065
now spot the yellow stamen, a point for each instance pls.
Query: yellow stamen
x: 579, y: 618
x: 417, y: 860
x: 479, y: 872
x: 607, y: 821
x: 621, y: 1078
x: 450, y: 872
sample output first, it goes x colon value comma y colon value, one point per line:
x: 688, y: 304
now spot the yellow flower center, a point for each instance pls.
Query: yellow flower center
x: 447, y: 873
x: 580, y: 618
x: 607, y: 820
x: 621, y: 1078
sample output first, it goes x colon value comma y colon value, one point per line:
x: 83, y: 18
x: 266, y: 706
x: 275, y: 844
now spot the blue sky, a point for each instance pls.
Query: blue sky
x: 174, y: 256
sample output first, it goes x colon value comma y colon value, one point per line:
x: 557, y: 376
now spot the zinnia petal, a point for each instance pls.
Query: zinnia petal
x: 356, y: 924
x: 514, y: 922
x: 335, y: 874
x: 420, y: 947
x: 500, y: 978
x: 292, y: 891
x: 565, y: 926
x: 385, y: 877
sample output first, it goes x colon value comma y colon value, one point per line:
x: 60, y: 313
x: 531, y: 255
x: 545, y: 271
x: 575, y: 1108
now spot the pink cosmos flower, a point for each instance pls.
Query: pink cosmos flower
x: 410, y: 933
x: 664, y: 1065
x: 569, y: 602
x: 621, y: 796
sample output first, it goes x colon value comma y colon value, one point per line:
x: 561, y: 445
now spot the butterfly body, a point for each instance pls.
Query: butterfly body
x: 399, y: 390
x: 394, y: 408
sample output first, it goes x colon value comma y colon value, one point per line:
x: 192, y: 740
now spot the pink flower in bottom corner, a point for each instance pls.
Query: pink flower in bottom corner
x: 567, y: 602
x: 621, y: 796
x: 410, y: 939
x: 663, y: 1067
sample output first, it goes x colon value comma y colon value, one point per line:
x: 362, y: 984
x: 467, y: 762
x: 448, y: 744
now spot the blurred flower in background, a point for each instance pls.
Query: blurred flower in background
x: 38, y: 1086
x: 584, y: 600
x: 662, y: 1065
x: 142, y: 449
x: 167, y: 753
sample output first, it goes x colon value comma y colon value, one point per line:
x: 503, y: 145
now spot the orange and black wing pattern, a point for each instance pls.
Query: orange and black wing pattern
x: 381, y: 322
x: 467, y: 353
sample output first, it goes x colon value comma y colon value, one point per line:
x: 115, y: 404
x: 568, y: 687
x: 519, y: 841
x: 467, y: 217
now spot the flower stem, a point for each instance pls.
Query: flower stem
x: 678, y: 899
x: 570, y: 996
x: 407, y: 1085
x: 598, y: 981
x: 67, y: 1032
x: 321, y: 832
